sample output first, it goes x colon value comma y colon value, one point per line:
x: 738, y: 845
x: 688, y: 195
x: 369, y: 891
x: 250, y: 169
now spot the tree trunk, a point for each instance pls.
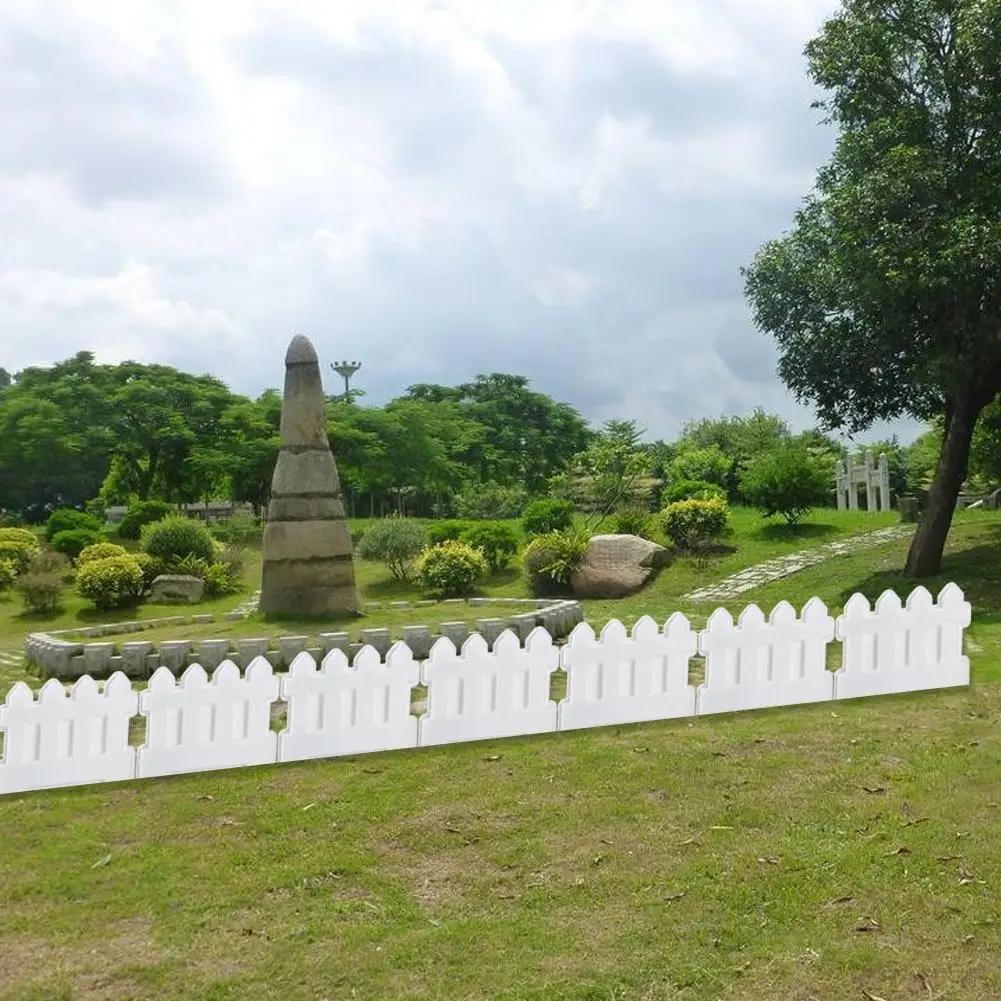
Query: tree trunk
x: 925, y: 556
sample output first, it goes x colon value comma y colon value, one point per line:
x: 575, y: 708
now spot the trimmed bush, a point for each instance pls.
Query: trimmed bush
x: 551, y: 559
x: 692, y: 490
x: 693, y: 524
x: 789, y: 482
x: 66, y: 519
x: 17, y: 549
x: 150, y: 566
x: 172, y: 539
x: 142, y: 513
x: 8, y: 574
x: 451, y: 569
x: 22, y: 536
x: 633, y: 521
x: 547, y: 514
x: 40, y: 591
x: 74, y: 541
x: 445, y: 531
x: 49, y: 561
x: 397, y: 542
x: 100, y: 551
x: 497, y: 541
x: 110, y: 582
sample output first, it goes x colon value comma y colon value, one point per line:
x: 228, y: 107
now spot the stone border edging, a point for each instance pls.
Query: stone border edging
x: 67, y: 659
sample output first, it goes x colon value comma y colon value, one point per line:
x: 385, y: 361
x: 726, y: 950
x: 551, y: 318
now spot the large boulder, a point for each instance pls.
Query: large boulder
x: 616, y: 565
x: 170, y: 587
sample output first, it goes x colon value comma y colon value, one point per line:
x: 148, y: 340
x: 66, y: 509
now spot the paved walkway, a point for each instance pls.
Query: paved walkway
x: 784, y: 566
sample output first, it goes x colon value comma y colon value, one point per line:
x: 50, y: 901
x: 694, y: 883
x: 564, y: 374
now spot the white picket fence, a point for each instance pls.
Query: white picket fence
x: 192, y: 724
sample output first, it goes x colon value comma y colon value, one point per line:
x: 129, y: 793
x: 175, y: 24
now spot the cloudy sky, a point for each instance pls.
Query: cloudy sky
x: 559, y: 188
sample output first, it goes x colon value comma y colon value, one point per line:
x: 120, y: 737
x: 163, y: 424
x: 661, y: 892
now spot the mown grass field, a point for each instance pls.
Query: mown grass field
x: 838, y: 851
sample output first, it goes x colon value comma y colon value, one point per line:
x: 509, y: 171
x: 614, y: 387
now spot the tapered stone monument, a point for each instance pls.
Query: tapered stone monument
x: 308, y: 565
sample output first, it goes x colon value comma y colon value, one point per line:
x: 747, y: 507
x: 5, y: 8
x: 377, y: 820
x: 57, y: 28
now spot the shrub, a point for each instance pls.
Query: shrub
x: 8, y: 574
x: 66, y: 519
x: 191, y: 566
x: 110, y: 582
x: 547, y: 514
x: 692, y: 490
x: 40, y: 591
x: 172, y: 539
x: 219, y: 580
x: 632, y: 521
x: 692, y: 524
x: 789, y: 481
x: 710, y: 463
x: 451, y: 568
x: 49, y: 561
x: 18, y: 546
x: 240, y: 529
x: 551, y: 559
x: 73, y: 541
x: 497, y: 541
x: 233, y: 557
x: 100, y: 551
x: 397, y: 542
x: 490, y: 502
x: 150, y: 566
x: 445, y: 531
x: 142, y: 513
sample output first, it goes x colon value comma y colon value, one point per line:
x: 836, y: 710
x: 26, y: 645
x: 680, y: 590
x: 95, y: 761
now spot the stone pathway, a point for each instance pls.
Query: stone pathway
x: 784, y: 566
x: 249, y: 606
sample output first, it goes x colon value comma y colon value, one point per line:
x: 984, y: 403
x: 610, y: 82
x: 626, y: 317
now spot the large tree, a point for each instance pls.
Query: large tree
x: 885, y: 299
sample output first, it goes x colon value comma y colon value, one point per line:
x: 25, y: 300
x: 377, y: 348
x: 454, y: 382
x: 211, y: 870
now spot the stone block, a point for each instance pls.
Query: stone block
x: 174, y: 655
x: 248, y: 649
x: 418, y: 638
x: 399, y: 604
x: 96, y: 657
x: 381, y: 639
x: 134, y: 656
x: 211, y: 653
x: 233, y: 616
x: 306, y: 540
x: 177, y: 587
x: 309, y: 587
x: 305, y: 509
x: 289, y: 647
x: 75, y: 668
x: 353, y: 651
x: 114, y: 663
x: 311, y: 473
x: 522, y: 624
x: 316, y: 652
x: 334, y: 641
x: 490, y: 629
x: 203, y: 620
x: 152, y: 663
x: 457, y: 632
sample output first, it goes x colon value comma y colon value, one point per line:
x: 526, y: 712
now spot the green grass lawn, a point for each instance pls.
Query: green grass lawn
x: 828, y: 852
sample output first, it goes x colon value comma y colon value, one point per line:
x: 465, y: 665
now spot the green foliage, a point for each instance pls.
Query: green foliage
x: 8, y: 574
x: 100, y: 551
x: 445, y: 531
x: 172, y: 539
x: 234, y: 558
x: 490, y: 501
x: 150, y: 566
x: 788, y: 482
x: 67, y: 520
x: 693, y: 524
x: 191, y: 566
x: 17, y: 548
x: 633, y: 521
x: 220, y: 580
x: 692, y: 490
x: 21, y: 536
x: 551, y: 559
x: 240, y: 529
x: 49, y: 561
x: 547, y: 514
x: 40, y: 591
x: 498, y: 543
x: 73, y: 541
x: 610, y: 471
x: 110, y: 582
x: 141, y: 513
x: 709, y: 464
x: 451, y: 568
x: 397, y: 542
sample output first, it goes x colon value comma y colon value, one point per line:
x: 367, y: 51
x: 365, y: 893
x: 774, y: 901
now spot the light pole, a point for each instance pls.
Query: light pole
x: 345, y: 370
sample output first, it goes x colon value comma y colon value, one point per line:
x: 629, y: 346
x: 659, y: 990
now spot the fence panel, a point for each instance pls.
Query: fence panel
x: 340, y: 709
x: 619, y: 678
x: 479, y: 695
x: 757, y: 664
x: 67, y: 738
x: 196, y: 725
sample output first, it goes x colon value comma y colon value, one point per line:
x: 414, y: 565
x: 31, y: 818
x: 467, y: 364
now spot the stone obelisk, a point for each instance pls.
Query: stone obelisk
x: 308, y: 566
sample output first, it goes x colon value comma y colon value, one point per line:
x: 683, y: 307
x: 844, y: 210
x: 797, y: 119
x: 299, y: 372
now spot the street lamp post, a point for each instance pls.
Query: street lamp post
x: 345, y: 370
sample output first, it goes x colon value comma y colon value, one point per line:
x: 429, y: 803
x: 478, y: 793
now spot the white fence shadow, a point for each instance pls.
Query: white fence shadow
x: 197, y: 723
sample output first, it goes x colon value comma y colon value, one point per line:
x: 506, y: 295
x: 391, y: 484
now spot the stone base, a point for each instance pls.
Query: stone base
x: 309, y: 587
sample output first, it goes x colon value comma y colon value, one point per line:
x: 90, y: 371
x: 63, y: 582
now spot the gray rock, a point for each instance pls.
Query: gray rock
x: 177, y: 587
x: 617, y: 565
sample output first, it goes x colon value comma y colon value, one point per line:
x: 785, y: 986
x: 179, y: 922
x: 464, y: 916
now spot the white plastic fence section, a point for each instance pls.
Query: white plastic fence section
x: 620, y: 678
x: 757, y: 664
x: 895, y: 648
x: 196, y: 725
x: 340, y: 709
x: 67, y: 738
x: 480, y: 695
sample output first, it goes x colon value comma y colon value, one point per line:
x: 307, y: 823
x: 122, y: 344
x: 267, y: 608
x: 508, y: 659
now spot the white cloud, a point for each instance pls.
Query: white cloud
x: 560, y: 188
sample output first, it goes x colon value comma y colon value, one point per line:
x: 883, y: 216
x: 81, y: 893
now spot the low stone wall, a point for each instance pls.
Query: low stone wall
x: 58, y: 657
